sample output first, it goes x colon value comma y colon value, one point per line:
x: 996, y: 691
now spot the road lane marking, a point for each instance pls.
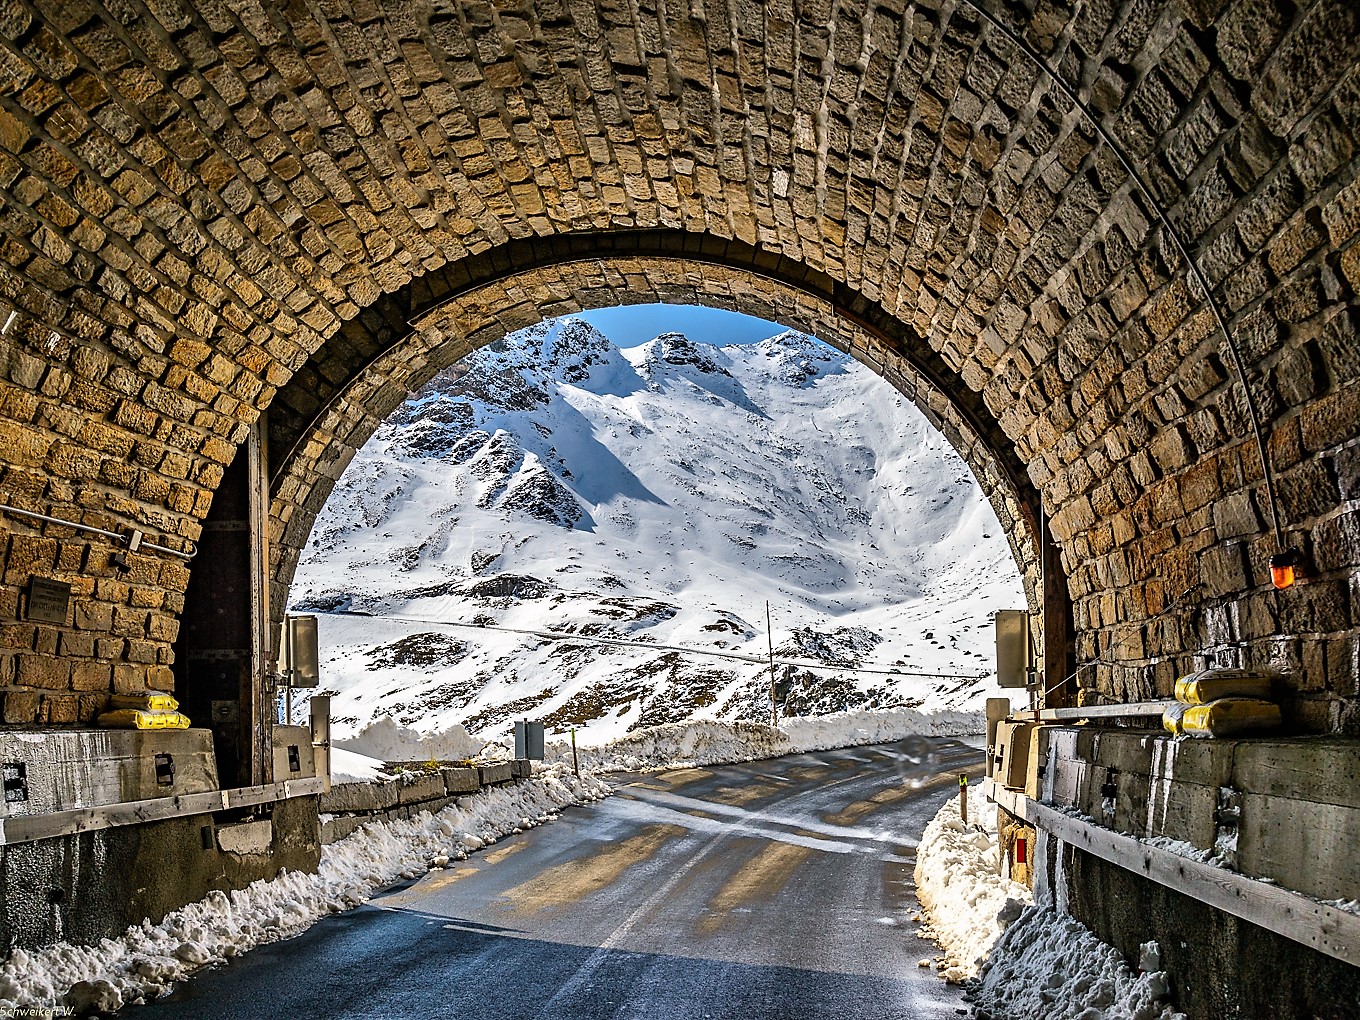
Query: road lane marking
x: 833, y: 837
x: 502, y: 852
x: 758, y: 880
x: 574, y: 880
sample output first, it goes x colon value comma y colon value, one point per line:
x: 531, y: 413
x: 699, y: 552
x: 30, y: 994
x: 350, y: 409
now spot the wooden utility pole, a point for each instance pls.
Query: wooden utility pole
x: 769, y: 638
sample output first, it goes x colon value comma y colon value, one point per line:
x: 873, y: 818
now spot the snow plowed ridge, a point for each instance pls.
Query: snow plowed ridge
x: 552, y: 484
x: 147, y: 959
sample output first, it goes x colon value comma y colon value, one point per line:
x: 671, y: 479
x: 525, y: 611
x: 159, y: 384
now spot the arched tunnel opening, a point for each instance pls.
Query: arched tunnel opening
x: 1109, y: 249
x: 651, y: 498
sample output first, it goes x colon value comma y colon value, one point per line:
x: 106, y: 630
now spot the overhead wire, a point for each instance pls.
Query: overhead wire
x: 596, y: 639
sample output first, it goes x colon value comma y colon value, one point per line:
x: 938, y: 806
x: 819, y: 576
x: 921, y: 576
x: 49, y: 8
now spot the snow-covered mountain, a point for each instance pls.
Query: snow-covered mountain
x: 558, y: 529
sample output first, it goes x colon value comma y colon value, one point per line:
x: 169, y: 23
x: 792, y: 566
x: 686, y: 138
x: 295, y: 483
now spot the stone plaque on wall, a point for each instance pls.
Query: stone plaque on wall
x: 48, y: 600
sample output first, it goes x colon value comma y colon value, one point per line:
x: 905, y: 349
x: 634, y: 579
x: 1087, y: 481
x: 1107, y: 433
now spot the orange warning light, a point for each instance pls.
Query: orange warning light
x: 1282, y: 568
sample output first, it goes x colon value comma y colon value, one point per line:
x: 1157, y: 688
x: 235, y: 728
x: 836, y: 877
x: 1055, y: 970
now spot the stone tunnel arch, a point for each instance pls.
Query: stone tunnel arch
x: 197, y: 197
x: 334, y: 404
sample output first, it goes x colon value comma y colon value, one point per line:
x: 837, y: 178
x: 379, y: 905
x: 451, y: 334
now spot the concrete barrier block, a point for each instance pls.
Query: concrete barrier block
x: 494, y: 775
x: 68, y: 769
x: 461, y: 780
x: 1204, y: 762
x: 246, y: 837
x: 336, y: 828
x: 421, y: 788
x: 1130, y: 752
x: 343, y: 798
x: 1318, y: 769
x: 1184, y: 811
x: 522, y: 768
x: 1285, y: 839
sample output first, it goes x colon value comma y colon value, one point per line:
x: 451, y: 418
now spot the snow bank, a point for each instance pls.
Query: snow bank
x: 700, y: 742
x: 352, y: 767
x: 710, y: 742
x: 1034, y: 963
x: 148, y: 958
x: 850, y: 729
x: 966, y: 901
x: 1051, y: 967
x: 385, y: 740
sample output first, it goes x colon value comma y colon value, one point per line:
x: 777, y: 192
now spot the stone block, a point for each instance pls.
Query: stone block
x: 522, y: 768
x: 43, y: 671
x: 21, y: 706
x: 420, y: 789
x: 359, y: 797
x: 246, y: 837
x: 461, y: 780
x: 494, y: 775
x: 59, y: 709
x: 337, y: 827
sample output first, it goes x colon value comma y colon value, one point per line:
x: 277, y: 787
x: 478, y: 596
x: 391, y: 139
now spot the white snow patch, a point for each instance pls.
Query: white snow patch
x: 1033, y: 963
x: 1051, y: 967
x: 1214, y: 857
x: 709, y: 742
x: 959, y: 884
x: 352, y: 767
x: 384, y: 740
x: 148, y: 958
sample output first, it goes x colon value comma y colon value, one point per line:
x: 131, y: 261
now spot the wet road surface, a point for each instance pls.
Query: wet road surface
x: 774, y: 889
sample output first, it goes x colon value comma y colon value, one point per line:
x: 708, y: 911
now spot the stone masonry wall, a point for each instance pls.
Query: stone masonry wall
x: 200, y: 200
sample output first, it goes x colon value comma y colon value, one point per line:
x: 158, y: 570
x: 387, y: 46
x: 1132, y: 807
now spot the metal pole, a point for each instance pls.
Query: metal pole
x: 963, y: 797
x: 769, y: 638
x: 575, y: 762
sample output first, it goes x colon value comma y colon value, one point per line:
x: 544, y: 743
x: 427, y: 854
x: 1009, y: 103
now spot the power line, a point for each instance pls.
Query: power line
x: 588, y: 639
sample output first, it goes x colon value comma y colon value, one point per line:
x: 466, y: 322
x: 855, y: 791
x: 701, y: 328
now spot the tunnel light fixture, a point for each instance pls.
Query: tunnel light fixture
x: 1282, y: 568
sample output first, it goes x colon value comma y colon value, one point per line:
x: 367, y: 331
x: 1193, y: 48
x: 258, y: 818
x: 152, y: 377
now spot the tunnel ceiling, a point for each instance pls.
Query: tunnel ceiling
x: 210, y: 208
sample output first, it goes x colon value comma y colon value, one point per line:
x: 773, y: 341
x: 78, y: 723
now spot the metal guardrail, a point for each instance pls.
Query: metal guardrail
x: 1133, y: 709
x: 1291, y: 914
x: 27, y: 828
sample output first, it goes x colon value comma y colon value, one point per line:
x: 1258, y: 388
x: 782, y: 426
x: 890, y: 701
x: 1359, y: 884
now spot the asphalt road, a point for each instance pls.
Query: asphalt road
x: 776, y: 889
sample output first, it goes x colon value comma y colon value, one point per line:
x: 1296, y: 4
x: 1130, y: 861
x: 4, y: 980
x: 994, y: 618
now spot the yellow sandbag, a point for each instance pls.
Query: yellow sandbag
x: 1228, y: 716
x: 146, y: 701
x: 1173, y: 718
x: 1208, y: 685
x: 136, y: 719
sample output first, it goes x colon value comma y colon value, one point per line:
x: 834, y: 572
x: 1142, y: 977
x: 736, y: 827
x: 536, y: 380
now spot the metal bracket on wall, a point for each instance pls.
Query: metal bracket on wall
x: 132, y: 540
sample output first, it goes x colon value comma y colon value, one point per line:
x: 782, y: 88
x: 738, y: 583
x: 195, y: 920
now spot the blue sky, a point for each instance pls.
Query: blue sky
x: 630, y: 325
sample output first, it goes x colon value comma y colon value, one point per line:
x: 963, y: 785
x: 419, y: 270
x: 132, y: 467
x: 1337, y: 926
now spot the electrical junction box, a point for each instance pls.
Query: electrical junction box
x: 529, y: 740
x: 293, y: 753
x: 1013, y: 657
x: 1012, y: 753
x: 997, y: 710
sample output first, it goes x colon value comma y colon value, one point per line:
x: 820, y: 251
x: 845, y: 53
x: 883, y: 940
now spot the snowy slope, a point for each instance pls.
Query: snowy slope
x: 552, y: 484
